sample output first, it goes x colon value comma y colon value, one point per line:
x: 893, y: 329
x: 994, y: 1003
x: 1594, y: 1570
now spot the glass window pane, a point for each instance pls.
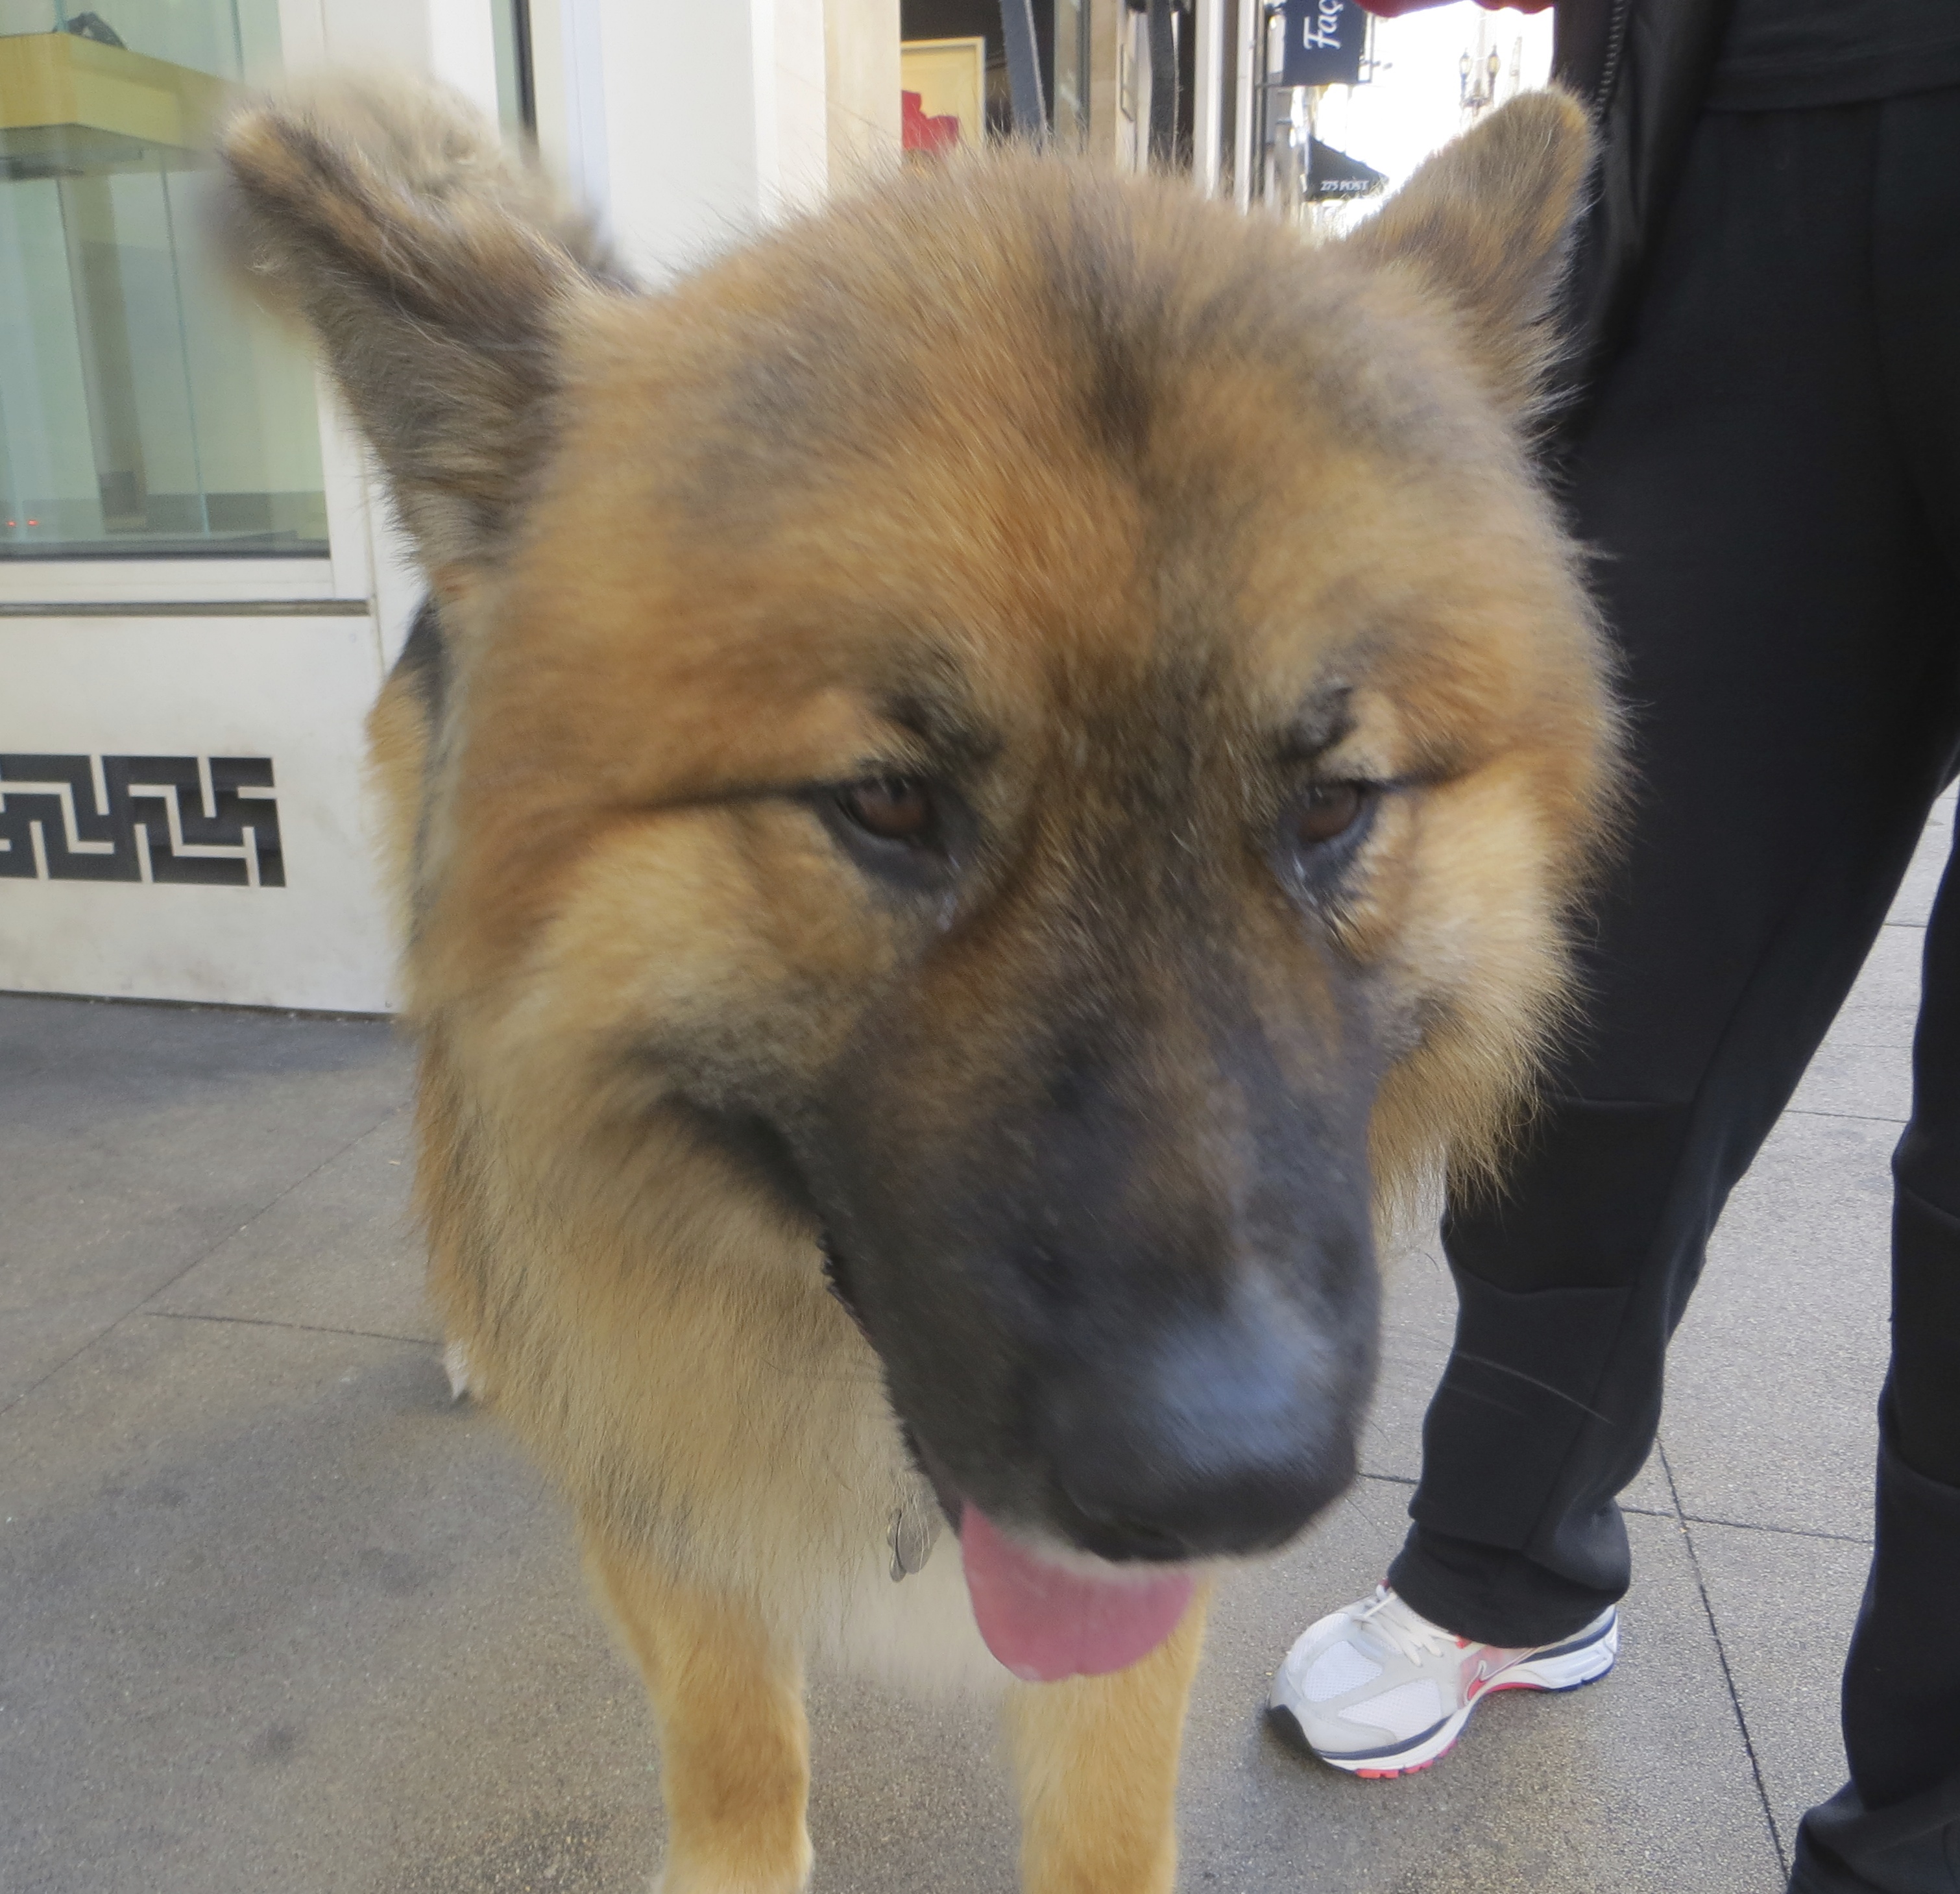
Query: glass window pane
x: 146, y: 409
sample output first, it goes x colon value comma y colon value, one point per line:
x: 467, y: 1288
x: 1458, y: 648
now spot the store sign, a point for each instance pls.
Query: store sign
x: 1333, y: 175
x: 1324, y: 39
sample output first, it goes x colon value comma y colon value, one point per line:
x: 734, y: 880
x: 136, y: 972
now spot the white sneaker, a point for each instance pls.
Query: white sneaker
x: 1379, y: 1692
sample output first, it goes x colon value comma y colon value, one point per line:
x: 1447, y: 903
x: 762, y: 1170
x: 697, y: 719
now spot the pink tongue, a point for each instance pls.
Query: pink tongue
x: 1045, y: 1622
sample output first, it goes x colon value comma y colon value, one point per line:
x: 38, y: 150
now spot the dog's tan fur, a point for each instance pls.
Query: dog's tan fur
x: 1071, y: 429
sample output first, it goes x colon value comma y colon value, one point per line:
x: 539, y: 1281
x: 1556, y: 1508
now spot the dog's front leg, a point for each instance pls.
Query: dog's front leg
x: 734, y: 1744
x: 1097, y: 1760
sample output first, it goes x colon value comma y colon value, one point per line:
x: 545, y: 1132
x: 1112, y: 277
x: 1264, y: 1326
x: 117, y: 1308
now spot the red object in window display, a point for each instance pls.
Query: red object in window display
x: 924, y: 132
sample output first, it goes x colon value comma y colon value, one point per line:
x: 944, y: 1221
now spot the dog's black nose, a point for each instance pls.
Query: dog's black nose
x: 1225, y: 1437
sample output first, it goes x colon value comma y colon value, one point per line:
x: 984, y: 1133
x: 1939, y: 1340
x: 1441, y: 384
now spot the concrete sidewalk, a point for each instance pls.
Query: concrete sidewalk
x: 275, y: 1615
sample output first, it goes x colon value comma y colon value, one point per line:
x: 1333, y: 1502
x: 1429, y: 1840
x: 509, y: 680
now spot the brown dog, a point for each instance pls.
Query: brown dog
x: 983, y: 780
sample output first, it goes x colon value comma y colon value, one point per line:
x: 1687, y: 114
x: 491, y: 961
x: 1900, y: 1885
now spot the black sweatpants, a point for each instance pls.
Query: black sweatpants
x: 1771, y: 478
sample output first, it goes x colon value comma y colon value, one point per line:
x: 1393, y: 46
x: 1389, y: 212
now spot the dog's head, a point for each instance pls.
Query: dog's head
x: 1041, y: 725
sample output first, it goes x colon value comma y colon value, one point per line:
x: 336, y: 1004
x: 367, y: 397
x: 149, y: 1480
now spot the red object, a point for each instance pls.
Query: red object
x: 924, y: 131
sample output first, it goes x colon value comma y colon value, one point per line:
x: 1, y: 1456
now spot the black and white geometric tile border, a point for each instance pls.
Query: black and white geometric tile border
x: 212, y: 820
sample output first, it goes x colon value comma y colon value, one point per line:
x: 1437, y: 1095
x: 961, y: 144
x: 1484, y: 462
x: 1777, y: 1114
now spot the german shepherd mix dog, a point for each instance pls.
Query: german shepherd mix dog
x: 983, y: 780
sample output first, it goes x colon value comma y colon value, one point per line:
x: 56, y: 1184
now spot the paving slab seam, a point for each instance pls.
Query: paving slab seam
x: 267, y: 1322
x: 197, y: 1006
x: 1788, y: 1531
x: 162, y: 1288
x: 1855, y: 1118
x: 1728, y: 1675
x: 1645, y: 1512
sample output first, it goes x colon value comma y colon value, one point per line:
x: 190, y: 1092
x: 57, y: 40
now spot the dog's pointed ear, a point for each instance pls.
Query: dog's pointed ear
x: 436, y: 269
x: 1485, y: 222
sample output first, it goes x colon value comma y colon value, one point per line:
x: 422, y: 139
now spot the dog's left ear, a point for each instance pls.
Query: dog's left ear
x: 1485, y: 222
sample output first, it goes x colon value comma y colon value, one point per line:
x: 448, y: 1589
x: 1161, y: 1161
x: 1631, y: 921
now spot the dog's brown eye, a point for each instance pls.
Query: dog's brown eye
x: 893, y: 808
x: 1327, y: 811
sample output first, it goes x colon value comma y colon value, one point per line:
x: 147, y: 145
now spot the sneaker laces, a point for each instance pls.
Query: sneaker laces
x: 1413, y: 1638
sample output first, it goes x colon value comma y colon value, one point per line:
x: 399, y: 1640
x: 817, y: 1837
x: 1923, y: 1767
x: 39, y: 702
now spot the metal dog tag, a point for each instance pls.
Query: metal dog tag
x: 914, y: 1532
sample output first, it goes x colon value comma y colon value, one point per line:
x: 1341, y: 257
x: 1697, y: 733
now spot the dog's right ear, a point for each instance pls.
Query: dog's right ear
x: 436, y: 269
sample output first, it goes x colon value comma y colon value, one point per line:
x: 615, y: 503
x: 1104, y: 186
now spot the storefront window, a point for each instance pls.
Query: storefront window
x: 146, y: 409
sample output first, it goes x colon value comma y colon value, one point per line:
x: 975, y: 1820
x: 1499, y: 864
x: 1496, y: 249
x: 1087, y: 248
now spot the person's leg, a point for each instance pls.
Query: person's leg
x: 1785, y: 619
x: 1894, y: 1828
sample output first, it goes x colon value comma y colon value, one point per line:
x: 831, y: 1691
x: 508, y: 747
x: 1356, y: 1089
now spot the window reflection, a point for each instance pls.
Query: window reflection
x: 510, y: 26
x: 1069, y: 85
x: 145, y: 409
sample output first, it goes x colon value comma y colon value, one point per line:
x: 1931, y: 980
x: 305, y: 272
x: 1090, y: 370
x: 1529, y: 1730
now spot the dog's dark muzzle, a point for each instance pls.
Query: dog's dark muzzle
x: 1224, y: 1435
x: 1222, y: 1432
x: 1124, y: 1291
x: 1136, y: 1413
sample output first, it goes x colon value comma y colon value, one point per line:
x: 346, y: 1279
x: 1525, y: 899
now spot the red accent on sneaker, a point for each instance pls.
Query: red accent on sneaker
x: 1414, y: 1769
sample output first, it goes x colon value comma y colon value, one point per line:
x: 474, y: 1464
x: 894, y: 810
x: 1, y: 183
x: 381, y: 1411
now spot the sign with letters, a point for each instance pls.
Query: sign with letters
x: 1324, y: 38
x: 1332, y: 174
